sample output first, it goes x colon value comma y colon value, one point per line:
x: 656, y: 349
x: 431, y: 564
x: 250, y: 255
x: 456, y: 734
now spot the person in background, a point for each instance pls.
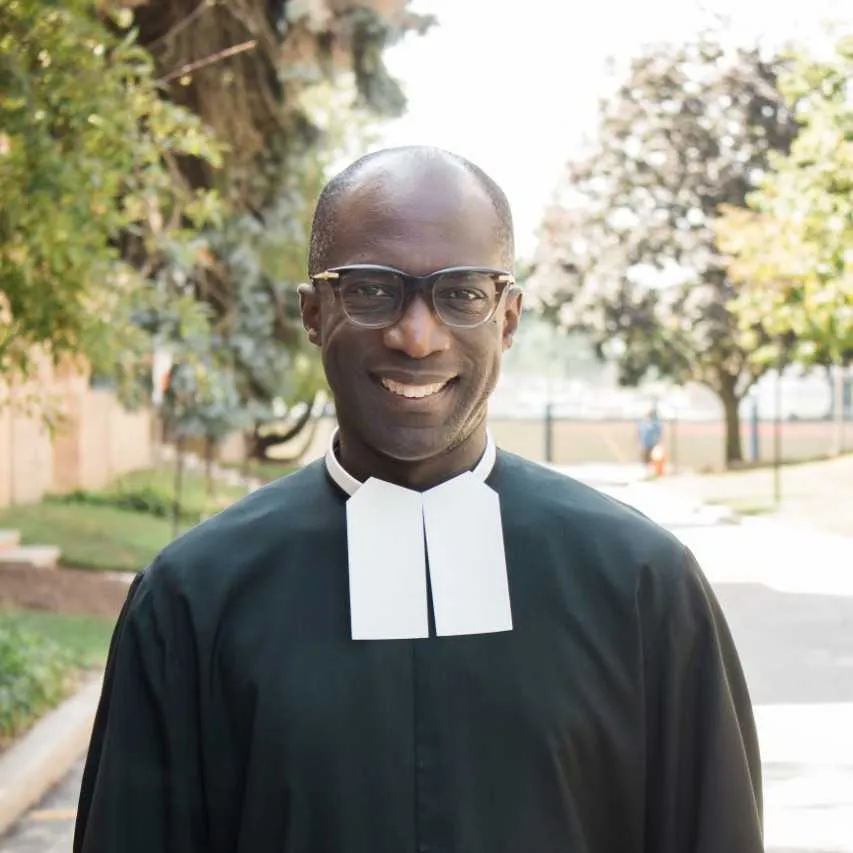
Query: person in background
x: 650, y: 434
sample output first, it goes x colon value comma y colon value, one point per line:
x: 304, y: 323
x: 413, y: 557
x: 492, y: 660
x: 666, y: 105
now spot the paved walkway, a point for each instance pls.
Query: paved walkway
x: 788, y: 595
x: 49, y: 828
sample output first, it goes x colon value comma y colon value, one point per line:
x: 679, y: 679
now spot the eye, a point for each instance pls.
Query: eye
x: 464, y: 294
x: 370, y: 291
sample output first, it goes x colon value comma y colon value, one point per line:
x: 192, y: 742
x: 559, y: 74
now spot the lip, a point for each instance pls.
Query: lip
x: 411, y: 377
x: 417, y: 380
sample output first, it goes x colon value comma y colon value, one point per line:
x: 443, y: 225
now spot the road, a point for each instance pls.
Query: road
x: 788, y: 597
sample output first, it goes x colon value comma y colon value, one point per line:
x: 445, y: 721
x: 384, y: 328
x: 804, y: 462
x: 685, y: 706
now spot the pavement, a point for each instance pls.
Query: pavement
x: 49, y: 827
x: 787, y: 592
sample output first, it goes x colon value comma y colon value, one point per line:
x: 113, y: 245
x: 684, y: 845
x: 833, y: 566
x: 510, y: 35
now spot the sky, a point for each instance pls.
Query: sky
x: 514, y: 86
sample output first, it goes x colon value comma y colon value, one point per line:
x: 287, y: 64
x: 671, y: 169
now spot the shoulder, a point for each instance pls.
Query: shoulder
x: 593, y: 528
x: 248, y: 532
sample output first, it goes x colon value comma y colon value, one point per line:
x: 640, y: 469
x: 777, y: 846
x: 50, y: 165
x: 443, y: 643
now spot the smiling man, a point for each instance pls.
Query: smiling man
x: 421, y: 643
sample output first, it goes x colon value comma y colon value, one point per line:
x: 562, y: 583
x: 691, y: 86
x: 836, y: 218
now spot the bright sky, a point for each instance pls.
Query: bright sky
x: 513, y: 86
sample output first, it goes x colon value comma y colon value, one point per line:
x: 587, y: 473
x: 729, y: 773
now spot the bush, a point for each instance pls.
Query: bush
x: 152, y: 491
x: 151, y: 499
x: 34, y: 677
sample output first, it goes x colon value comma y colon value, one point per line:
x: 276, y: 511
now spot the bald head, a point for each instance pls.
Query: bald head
x: 410, y: 168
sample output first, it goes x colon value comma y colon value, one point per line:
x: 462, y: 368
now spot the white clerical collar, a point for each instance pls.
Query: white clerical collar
x: 393, y: 533
x: 350, y: 485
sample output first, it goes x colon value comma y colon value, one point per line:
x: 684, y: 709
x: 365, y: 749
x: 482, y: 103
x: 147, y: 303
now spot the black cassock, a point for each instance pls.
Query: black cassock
x: 239, y: 717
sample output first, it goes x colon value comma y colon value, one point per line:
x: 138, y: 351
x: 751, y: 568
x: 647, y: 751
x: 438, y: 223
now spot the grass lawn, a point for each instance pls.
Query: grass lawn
x: 84, y: 639
x: 41, y: 658
x: 194, y: 496
x: 91, y: 537
x: 92, y: 534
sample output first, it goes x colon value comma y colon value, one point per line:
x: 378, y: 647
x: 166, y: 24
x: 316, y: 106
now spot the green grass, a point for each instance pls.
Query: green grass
x: 194, y: 497
x: 91, y: 537
x: 84, y: 640
x: 93, y: 533
x: 41, y: 657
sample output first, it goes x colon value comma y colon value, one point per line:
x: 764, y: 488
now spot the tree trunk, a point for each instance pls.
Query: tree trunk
x: 209, y: 458
x: 731, y: 411
x: 261, y: 444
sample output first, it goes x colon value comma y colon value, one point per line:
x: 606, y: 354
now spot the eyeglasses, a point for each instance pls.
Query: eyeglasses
x: 375, y: 297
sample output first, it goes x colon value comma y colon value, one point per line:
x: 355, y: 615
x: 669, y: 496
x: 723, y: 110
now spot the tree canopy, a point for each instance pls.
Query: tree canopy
x: 88, y: 152
x: 792, y: 248
x: 159, y: 160
x: 628, y: 251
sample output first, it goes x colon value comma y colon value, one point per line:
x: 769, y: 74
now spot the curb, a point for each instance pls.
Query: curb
x: 39, y: 760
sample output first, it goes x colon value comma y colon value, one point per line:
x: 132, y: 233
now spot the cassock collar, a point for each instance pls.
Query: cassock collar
x: 396, y: 536
x: 350, y: 485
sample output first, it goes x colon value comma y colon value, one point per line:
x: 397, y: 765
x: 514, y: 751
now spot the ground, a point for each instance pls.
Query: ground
x: 64, y: 591
x: 815, y: 494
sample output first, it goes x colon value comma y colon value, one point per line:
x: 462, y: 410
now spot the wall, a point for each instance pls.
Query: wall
x: 95, y: 440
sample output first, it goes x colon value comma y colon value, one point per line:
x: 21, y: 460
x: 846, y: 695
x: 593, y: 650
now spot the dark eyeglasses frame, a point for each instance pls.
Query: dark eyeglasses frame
x: 423, y: 284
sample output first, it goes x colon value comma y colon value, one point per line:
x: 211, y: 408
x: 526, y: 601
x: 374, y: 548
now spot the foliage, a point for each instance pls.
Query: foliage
x: 83, y: 639
x: 245, y: 68
x: 89, y: 164
x: 302, y: 97
x: 152, y: 492
x: 125, y: 248
x: 33, y: 678
x: 628, y: 252
x: 793, y: 248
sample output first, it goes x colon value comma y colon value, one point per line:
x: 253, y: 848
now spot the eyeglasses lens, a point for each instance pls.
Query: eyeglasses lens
x: 376, y: 298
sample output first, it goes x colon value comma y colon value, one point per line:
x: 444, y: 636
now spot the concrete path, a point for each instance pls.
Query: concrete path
x: 49, y: 828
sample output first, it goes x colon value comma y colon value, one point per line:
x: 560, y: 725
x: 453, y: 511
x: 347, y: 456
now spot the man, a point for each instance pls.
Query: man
x: 419, y: 643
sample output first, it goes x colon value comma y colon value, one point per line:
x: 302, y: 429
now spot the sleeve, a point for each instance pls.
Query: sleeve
x: 142, y: 783
x: 703, y: 763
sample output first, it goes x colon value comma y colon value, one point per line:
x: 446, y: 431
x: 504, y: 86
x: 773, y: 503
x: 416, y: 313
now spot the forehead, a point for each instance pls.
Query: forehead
x: 418, y: 220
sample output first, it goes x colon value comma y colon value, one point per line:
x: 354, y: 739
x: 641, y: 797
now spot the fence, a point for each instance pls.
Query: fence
x: 691, y: 445
x: 95, y: 441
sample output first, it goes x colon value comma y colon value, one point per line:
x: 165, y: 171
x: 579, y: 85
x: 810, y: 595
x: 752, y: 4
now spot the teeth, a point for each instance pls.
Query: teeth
x: 413, y: 392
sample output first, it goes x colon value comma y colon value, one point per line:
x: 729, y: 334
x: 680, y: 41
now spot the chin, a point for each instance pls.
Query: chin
x: 415, y: 445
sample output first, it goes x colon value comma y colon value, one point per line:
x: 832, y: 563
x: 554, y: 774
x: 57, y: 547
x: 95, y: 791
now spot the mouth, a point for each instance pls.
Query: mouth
x: 414, y: 391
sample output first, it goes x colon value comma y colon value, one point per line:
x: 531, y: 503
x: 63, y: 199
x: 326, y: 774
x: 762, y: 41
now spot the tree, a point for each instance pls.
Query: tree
x: 792, y: 249
x: 289, y: 87
x: 88, y: 152
x: 628, y: 251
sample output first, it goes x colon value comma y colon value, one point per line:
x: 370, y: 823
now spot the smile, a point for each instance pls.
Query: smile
x: 413, y: 392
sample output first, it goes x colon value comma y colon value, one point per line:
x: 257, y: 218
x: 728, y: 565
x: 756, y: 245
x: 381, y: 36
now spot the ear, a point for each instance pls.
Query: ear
x: 309, y: 307
x: 512, y: 315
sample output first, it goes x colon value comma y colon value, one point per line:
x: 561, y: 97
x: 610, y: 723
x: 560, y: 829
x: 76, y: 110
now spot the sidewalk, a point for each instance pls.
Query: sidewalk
x: 787, y: 592
x: 815, y: 494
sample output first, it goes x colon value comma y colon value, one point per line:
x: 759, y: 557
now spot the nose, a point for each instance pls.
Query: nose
x: 418, y: 333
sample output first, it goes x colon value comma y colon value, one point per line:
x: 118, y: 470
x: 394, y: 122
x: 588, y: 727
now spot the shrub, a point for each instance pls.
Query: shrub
x: 150, y: 498
x: 34, y: 677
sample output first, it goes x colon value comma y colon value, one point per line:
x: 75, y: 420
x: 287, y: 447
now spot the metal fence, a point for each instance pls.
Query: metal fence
x: 692, y: 445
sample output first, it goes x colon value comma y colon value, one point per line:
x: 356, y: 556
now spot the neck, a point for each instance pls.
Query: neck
x: 363, y: 462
